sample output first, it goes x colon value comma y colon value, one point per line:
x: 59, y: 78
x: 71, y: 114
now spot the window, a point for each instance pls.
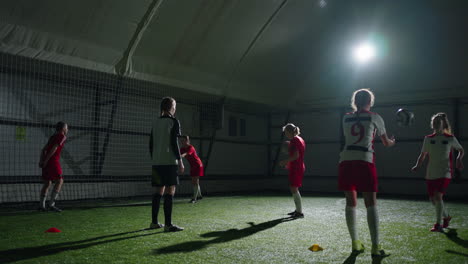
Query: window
x: 243, y: 128
x: 232, y: 126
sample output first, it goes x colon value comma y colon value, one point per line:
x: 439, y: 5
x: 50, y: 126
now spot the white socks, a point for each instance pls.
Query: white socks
x: 444, y: 210
x: 439, y: 205
x: 196, y: 189
x: 350, y: 213
x: 42, y: 201
x: 298, y: 202
x: 373, y: 222
x: 53, y: 197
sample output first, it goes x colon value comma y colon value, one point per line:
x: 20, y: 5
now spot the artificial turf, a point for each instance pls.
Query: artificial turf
x: 237, y: 229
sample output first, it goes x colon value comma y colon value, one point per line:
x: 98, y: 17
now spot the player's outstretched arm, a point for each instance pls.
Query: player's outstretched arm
x: 181, y: 166
x: 420, y: 161
x: 388, y: 142
x: 294, y: 157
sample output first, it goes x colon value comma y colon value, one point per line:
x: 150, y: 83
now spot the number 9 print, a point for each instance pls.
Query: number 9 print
x: 360, y: 131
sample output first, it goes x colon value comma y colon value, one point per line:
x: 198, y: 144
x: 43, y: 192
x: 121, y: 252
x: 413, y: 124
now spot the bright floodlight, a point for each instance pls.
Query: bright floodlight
x: 364, y: 52
x: 322, y: 3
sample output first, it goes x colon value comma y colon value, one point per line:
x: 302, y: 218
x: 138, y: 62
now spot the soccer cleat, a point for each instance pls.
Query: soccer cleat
x: 377, y: 251
x: 199, y: 197
x: 357, y: 246
x: 292, y: 213
x: 193, y: 201
x: 447, y: 221
x: 437, y: 228
x: 42, y: 209
x: 156, y: 226
x: 173, y: 228
x: 54, y: 208
x: 297, y: 215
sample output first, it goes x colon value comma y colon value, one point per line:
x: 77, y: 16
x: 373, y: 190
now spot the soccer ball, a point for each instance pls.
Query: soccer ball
x: 404, y: 117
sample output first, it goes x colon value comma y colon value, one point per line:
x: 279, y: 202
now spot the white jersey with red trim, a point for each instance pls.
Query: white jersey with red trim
x: 359, y: 130
x: 439, y: 149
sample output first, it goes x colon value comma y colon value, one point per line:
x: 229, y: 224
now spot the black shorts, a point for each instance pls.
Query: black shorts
x: 164, y: 175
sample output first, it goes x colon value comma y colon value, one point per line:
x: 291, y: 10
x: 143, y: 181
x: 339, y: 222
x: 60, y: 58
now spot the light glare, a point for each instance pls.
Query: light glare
x: 364, y: 52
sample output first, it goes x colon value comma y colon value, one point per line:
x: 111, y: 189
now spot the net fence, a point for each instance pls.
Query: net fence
x: 106, y: 153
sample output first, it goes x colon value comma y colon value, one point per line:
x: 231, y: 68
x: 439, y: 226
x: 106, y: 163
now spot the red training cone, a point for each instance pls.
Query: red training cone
x: 53, y: 230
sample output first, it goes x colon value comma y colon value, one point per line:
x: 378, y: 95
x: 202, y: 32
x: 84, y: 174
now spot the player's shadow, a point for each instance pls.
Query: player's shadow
x: 456, y: 253
x: 377, y: 260
x: 351, y: 258
x: 17, y: 254
x: 221, y: 237
x: 87, y: 207
x: 452, y: 235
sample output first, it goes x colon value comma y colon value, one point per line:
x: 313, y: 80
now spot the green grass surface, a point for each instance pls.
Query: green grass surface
x: 240, y: 229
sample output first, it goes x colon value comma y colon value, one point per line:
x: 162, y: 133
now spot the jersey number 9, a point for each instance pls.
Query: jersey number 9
x: 358, y: 130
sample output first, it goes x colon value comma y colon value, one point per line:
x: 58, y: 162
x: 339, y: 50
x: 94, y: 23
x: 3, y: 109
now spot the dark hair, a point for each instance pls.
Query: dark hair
x: 361, y: 98
x: 166, y: 104
x: 436, y: 123
x: 185, y: 137
x: 291, y: 128
x: 59, y: 126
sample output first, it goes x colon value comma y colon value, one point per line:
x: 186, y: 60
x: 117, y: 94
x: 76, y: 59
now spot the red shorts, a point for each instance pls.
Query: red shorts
x: 52, y: 171
x: 437, y: 185
x: 357, y: 175
x: 196, y: 171
x: 295, y: 177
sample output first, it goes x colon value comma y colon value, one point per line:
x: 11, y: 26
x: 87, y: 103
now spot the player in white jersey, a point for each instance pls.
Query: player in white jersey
x: 167, y: 162
x: 438, y: 147
x: 357, y: 172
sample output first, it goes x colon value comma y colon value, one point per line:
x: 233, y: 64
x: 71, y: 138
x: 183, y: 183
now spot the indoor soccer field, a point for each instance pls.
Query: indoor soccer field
x: 233, y: 131
x: 229, y: 229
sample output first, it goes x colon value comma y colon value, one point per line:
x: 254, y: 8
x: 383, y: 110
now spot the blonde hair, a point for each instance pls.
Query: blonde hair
x: 291, y: 128
x: 440, y: 123
x: 361, y: 98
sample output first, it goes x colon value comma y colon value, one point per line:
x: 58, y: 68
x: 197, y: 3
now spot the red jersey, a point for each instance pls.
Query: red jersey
x: 53, y: 170
x: 59, y: 140
x: 296, y: 144
x: 191, y: 156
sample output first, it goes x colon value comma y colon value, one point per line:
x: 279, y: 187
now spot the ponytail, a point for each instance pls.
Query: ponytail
x: 440, y: 123
x: 362, y: 98
x: 293, y: 129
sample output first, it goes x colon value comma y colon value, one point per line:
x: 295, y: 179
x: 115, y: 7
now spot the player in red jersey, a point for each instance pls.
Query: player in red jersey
x: 357, y: 172
x: 438, y: 147
x: 295, y: 164
x: 196, y: 166
x: 51, y: 169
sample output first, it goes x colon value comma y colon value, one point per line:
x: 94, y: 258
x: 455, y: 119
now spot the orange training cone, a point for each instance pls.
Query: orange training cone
x: 315, y: 248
